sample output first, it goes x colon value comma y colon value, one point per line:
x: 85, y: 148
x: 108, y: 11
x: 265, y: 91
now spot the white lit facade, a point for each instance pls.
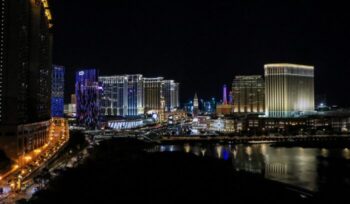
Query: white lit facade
x: 135, y: 95
x: 289, y: 90
x: 171, y: 95
x: 122, y: 95
x: 124, y: 124
x: 113, y: 101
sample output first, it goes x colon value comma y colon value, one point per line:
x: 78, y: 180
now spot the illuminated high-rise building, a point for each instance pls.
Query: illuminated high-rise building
x: 230, y: 98
x: 113, y: 99
x: 57, y: 96
x: 248, y: 94
x: 121, y: 95
x: 195, y: 105
x: 175, y: 98
x: 289, y: 90
x: 87, y: 91
x: 135, y: 95
x: 25, y: 75
x: 70, y: 109
x: 224, y: 95
x: 171, y: 95
x: 153, y: 88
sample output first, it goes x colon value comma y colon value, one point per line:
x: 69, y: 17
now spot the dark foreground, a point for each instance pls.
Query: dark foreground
x: 122, y: 171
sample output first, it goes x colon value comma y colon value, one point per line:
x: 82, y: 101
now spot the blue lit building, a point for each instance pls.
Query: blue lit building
x: 57, y: 94
x: 208, y: 108
x: 87, y: 92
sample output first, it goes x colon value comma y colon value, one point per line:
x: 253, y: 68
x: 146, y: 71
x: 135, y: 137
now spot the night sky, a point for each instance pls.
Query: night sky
x: 204, y: 44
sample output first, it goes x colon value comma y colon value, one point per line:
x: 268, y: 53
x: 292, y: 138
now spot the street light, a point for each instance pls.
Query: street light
x: 27, y: 158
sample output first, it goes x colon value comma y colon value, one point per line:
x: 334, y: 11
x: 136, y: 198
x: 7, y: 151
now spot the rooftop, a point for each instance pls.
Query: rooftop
x: 288, y: 65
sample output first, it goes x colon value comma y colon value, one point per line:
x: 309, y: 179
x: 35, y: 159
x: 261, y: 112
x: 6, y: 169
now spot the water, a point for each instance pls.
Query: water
x: 309, y: 168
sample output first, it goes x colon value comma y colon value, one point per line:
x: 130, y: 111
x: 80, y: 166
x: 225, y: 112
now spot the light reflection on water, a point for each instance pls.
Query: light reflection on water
x: 296, y: 166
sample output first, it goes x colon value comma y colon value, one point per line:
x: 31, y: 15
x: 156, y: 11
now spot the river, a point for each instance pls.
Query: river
x: 307, y: 168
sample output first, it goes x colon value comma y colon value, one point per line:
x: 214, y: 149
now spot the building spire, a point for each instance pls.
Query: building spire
x: 224, y: 95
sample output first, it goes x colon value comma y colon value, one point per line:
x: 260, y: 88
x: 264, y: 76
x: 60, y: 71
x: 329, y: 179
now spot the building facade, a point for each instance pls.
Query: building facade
x: 87, y: 91
x: 135, y: 95
x: 70, y: 109
x: 153, y: 92
x: 195, y: 111
x: 248, y: 94
x: 122, y: 95
x: 224, y: 109
x: 25, y: 75
x: 171, y: 95
x: 224, y: 94
x: 57, y: 96
x: 113, y: 100
x: 289, y: 90
x: 176, y: 96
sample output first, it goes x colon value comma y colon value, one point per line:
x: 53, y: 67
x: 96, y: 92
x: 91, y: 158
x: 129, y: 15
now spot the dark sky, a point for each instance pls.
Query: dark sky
x: 204, y: 44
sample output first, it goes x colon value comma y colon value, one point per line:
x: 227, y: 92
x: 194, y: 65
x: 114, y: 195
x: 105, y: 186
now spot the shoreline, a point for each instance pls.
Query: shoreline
x: 305, y: 142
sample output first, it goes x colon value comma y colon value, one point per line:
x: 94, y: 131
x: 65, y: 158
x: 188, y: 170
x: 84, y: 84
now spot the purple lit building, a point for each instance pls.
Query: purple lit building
x: 224, y: 95
x: 87, y: 92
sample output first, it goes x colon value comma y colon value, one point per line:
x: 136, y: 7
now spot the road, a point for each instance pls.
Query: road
x: 19, y: 180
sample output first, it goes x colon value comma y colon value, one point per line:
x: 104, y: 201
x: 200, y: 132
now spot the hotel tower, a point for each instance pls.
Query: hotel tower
x: 289, y: 90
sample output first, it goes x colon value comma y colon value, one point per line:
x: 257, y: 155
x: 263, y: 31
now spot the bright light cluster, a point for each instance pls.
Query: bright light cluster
x: 47, y: 12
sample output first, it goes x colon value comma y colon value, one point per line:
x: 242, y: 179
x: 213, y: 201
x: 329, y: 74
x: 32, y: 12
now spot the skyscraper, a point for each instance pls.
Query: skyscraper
x: 176, y: 95
x: 57, y: 96
x: 171, y: 95
x: 230, y: 98
x: 249, y: 94
x: 25, y: 75
x: 289, y: 90
x: 195, y: 105
x: 113, y: 99
x: 224, y: 95
x: 87, y: 91
x: 153, y: 88
x: 135, y: 95
x: 122, y: 95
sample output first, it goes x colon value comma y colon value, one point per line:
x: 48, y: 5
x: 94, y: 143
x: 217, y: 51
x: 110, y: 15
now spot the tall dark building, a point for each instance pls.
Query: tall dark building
x: 25, y: 75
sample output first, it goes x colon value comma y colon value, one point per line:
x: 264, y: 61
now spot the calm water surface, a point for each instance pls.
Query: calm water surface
x: 308, y: 168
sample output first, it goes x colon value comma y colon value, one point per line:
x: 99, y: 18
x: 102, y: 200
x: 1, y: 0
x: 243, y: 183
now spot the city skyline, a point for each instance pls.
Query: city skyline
x: 234, y: 97
x: 210, y: 41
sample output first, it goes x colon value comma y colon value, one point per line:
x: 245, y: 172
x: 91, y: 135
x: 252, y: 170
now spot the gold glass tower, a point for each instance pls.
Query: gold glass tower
x: 153, y: 93
x: 289, y: 90
x: 249, y: 94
